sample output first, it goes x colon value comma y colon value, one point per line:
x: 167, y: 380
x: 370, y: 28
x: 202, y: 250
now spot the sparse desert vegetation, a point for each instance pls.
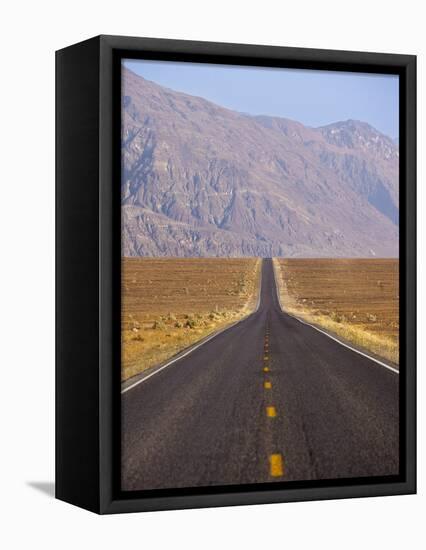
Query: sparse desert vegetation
x: 356, y: 299
x: 170, y: 303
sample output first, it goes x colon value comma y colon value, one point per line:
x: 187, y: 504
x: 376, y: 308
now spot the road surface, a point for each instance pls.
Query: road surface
x: 269, y: 399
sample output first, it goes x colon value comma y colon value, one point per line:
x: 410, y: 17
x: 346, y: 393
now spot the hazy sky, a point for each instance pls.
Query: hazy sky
x: 314, y: 98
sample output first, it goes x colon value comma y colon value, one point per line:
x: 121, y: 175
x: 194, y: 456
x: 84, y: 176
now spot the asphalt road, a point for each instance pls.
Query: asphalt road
x: 270, y: 399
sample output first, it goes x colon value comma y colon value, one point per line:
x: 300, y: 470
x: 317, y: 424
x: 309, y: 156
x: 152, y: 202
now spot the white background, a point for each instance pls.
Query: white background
x: 30, y: 33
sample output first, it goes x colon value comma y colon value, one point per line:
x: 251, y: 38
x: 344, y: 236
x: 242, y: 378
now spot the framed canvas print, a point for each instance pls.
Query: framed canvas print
x: 235, y: 274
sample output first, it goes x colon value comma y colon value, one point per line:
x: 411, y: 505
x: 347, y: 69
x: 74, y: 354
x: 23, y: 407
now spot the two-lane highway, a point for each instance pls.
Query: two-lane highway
x: 268, y: 399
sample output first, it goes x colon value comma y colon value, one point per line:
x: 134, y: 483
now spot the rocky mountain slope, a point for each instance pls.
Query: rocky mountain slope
x: 201, y: 180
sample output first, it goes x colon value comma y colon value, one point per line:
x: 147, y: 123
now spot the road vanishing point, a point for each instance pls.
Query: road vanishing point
x: 269, y: 399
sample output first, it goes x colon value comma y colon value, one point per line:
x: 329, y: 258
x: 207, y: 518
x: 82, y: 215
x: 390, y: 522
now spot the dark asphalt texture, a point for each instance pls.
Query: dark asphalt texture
x: 202, y: 421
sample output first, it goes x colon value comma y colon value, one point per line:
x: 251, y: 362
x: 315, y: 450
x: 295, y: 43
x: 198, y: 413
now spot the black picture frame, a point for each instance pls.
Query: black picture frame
x: 88, y: 100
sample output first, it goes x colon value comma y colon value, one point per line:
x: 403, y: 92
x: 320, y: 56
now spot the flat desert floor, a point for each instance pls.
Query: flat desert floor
x: 170, y: 303
x: 356, y: 299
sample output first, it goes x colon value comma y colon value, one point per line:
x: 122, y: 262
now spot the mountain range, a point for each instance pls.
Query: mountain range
x: 202, y: 180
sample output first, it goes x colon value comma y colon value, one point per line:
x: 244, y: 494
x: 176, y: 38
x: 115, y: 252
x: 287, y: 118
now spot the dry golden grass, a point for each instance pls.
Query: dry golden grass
x: 170, y: 303
x: 356, y: 299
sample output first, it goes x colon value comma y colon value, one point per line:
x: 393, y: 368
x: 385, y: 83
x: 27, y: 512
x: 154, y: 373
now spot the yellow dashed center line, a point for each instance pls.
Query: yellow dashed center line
x: 271, y: 412
x: 276, y: 465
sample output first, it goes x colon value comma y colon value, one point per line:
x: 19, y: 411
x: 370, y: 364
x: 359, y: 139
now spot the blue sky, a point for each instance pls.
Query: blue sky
x: 314, y: 98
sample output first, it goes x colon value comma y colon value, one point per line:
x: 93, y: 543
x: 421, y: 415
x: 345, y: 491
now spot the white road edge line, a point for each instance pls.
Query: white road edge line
x: 329, y: 335
x: 196, y: 346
